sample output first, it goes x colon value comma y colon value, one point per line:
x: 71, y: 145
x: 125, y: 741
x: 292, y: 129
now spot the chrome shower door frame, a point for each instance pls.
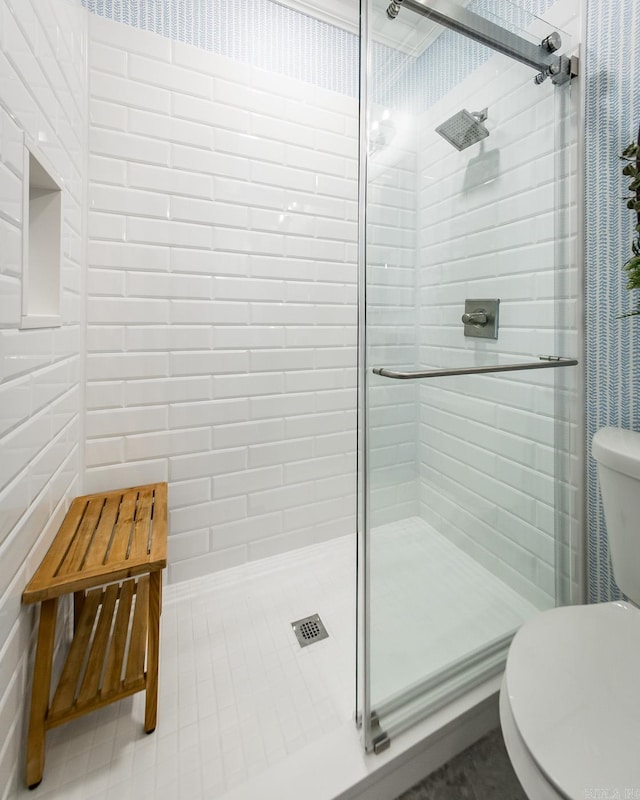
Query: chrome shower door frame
x: 363, y: 576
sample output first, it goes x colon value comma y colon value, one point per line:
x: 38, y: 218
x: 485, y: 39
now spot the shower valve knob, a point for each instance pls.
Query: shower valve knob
x: 475, y: 318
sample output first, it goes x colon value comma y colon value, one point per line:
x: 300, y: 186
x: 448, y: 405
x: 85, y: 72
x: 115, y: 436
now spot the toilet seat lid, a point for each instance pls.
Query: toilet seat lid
x: 573, y: 682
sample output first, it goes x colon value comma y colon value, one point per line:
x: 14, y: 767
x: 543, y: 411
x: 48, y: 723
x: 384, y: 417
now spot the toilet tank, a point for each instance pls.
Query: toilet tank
x: 617, y: 452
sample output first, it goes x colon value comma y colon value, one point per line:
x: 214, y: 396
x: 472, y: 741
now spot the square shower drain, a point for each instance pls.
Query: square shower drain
x: 309, y: 630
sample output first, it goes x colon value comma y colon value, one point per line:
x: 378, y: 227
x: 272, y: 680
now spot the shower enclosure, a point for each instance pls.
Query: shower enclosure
x: 467, y: 401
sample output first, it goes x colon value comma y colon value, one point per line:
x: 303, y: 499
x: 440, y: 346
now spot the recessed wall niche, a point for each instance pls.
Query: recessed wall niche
x: 41, y: 248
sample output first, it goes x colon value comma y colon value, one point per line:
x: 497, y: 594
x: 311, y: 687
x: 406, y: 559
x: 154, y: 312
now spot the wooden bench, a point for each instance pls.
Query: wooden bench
x: 109, y: 552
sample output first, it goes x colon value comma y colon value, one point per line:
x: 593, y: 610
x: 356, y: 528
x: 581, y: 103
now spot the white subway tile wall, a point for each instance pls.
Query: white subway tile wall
x: 474, y: 457
x: 221, y: 296
x: 392, y: 334
x: 488, y: 477
x: 43, y: 96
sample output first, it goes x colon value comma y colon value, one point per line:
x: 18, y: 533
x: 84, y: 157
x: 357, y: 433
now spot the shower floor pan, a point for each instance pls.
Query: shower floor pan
x: 244, y: 712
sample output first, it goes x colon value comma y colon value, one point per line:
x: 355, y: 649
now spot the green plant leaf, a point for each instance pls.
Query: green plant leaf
x: 632, y: 268
x: 631, y: 154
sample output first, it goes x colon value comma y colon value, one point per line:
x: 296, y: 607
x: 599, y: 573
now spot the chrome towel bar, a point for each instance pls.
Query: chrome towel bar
x: 545, y: 362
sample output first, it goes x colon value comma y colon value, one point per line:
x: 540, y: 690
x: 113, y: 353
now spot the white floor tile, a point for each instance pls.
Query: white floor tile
x: 238, y: 696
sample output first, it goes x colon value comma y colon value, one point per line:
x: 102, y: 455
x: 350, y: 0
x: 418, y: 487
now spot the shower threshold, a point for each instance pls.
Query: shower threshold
x: 335, y: 768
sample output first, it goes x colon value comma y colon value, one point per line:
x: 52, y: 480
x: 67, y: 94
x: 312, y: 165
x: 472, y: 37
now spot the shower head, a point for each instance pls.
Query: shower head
x: 464, y: 129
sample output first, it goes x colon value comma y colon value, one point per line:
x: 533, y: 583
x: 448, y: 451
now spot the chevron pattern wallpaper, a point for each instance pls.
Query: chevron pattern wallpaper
x: 613, y: 344
x: 264, y: 34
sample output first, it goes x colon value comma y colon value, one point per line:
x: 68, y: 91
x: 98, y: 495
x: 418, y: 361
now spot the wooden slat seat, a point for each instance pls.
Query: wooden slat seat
x: 104, y: 537
x: 109, y: 552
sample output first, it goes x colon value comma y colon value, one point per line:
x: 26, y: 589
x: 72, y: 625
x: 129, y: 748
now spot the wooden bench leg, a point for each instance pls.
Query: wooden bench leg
x: 40, y: 692
x: 78, y: 602
x: 153, y: 652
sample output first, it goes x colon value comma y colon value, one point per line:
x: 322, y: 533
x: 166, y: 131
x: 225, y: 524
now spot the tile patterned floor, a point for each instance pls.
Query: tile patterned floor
x: 238, y: 696
x: 237, y: 693
x: 482, y: 772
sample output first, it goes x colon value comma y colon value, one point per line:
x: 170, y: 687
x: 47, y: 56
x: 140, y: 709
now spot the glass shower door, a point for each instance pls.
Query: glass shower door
x: 465, y: 426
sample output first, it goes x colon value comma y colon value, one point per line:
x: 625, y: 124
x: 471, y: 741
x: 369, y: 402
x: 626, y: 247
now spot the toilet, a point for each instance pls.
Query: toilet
x: 570, y: 697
